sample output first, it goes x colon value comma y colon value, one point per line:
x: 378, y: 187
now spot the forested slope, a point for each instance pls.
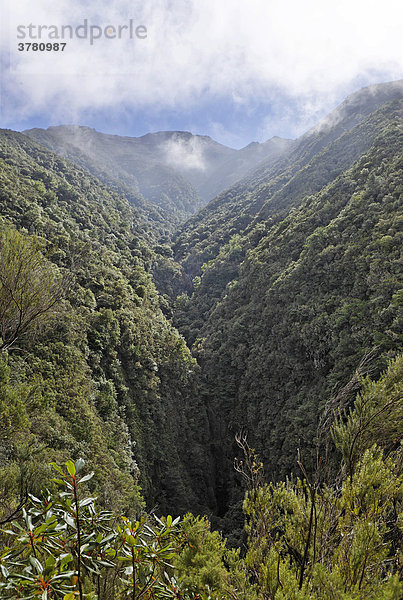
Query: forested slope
x: 128, y: 166
x: 285, y: 313
x: 107, y: 377
x: 315, y: 160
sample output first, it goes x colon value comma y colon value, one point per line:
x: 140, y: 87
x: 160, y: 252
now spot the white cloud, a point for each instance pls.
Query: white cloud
x: 198, y: 50
x: 184, y: 154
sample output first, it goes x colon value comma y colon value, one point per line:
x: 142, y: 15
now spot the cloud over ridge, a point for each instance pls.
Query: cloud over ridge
x: 195, y: 52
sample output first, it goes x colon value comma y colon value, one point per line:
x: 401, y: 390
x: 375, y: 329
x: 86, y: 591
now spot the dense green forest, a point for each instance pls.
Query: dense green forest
x: 107, y: 377
x: 246, y: 373
x: 307, y: 538
x: 277, y: 331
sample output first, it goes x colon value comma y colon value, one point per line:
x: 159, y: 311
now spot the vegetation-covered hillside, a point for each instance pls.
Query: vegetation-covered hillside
x: 290, y: 304
x: 273, y: 321
x: 127, y: 166
x: 175, y: 171
x: 107, y: 377
x: 315, y: 160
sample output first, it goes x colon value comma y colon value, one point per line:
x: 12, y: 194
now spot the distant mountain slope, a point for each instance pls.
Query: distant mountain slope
x: 209, y: 166
x: 274, y: 188
x: 176, y: 171
x: 240, y: 164
x: 126, y: 165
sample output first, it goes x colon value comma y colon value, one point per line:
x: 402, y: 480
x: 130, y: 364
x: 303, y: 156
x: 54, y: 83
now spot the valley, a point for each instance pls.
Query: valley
x: 210, y: 292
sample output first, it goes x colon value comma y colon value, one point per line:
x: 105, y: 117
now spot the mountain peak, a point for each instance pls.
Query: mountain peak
x: 361, y: 103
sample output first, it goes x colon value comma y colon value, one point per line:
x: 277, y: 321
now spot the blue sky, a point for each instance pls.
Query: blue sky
x: 235, y: 70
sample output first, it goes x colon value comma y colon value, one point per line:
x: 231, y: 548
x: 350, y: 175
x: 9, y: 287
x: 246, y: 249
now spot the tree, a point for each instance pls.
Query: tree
x: 341, y: 540
x: 63, y: 547
x: 30, y: 286
x: 376, y: 417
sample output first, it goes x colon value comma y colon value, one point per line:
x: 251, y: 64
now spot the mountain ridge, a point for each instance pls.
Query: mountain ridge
x: 235, y: 209
x: 177, y: 172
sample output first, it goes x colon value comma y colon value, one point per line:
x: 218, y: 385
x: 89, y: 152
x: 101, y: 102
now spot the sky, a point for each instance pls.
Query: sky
x: 236, y: 70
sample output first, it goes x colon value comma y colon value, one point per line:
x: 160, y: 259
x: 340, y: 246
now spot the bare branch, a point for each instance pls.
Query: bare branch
x: 250, y: 468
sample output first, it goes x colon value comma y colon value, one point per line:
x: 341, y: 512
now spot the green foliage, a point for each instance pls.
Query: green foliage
x: 113, y: 374
x: 200, y: 564
x: 349, y: 549
x: 63, y: 547
x: 29, y: 286
x: 376, y: 417
x: 145, y: 552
